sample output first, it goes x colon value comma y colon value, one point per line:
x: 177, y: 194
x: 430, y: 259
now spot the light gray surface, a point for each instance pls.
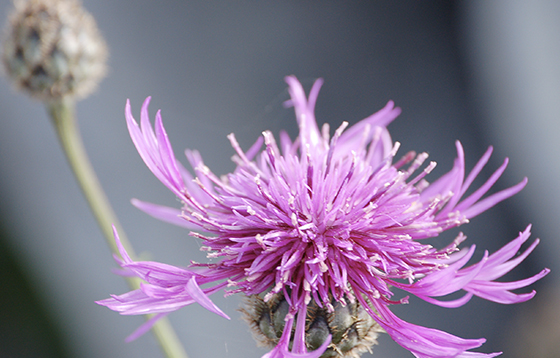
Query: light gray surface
x: 214, y: 69
x: 513, y: 49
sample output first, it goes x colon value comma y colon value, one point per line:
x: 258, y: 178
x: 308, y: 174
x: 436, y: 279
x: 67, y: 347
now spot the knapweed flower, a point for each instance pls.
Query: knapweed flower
x: 323, y: 224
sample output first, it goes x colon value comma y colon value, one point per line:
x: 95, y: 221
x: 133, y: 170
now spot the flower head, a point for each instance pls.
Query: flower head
x: 325, y: 222
x: 52, y: 48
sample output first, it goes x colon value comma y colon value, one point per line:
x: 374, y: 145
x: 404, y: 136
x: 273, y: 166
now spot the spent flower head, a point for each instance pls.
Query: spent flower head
x: 52, y: 48
x: 318, y: 231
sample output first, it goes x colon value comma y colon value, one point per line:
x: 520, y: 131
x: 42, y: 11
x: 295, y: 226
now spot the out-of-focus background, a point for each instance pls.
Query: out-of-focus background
x: 482, y: 72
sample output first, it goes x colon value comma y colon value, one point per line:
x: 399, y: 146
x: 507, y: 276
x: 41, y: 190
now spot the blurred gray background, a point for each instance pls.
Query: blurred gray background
x: 481, y: 72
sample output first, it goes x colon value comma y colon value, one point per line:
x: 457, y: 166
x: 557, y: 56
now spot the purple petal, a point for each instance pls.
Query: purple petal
x: 164, y: 213
x: 203, y: 300
x: 154, y: 149
x: 145, y: 327
x: 282, y: 348
x: 425, y: 342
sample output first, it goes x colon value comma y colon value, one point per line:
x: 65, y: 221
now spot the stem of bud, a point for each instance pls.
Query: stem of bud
x: 62, y: 114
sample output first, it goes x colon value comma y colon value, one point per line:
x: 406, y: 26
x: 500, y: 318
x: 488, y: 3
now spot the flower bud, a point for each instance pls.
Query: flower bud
x: 52, y: 49
x: 352, y: 328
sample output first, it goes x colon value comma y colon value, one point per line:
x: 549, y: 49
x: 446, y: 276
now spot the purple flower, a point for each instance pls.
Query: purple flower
x: 325, y: 220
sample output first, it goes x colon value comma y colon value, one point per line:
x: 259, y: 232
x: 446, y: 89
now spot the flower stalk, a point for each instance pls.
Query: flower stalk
x: 63, y: 117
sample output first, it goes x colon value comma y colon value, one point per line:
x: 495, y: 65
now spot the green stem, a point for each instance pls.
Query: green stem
x: 63, y: 116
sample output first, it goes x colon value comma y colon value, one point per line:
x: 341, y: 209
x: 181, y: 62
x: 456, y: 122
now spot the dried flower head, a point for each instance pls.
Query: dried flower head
x: 52, y: 48
x: 320, y: 225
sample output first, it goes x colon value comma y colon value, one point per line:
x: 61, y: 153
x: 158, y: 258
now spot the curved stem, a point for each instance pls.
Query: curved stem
x: 63, y: 117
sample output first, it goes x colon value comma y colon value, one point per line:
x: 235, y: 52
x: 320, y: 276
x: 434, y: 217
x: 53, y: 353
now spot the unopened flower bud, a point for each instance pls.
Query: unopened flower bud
x: 52, y: 49
x: 352, y: 328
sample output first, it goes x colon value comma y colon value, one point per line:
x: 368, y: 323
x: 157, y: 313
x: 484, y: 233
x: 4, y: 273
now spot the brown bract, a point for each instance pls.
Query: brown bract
x: 352, y: 329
